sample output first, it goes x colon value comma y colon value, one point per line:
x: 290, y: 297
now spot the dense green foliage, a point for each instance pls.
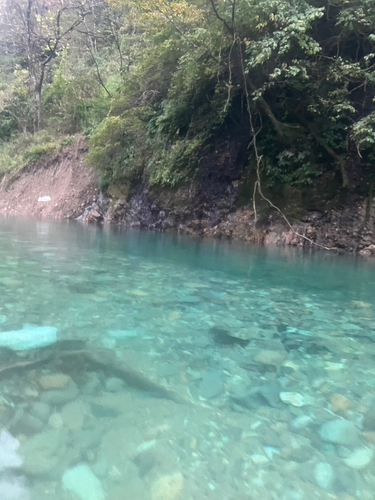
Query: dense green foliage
x: 155, y: 84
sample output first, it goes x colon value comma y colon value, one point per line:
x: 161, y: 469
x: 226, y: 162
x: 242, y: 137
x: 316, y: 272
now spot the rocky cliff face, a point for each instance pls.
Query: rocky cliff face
x: 212, y: 210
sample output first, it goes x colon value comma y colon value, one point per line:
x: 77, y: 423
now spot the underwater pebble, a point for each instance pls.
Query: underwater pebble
x: 93, y: 383
x: 211, y: 384
x: 55, y: 381
x: 122, y: 334
x: 42, y: 452
x: 293, y: 398
x: 258, y: 459
x: 14, y: 488
x: 360, y: 458
x: 271, y: 394
x: 369, y: 420
x: 301, y: 454
x: 301, y: 422
x: 108, y: 343
x: 100, y: 467
x: 350, y: 327
x: 273, y: 358
x: 339, y: 402
x: 370, y: 436
x: 324, y: 475
x: 114, y: 384
x: 82, y: 482
x: 146, y: 445
x: 144, y: 456
x: 31, y: 392
x: 60, y: 396
x: 167, y: 487
x: 334, y: 367
x: 339, y: 431
x: 270, y: 451
x: 55, y: 420
x: 41, y: 410
x: 73, y: 414
x: 8, y: 446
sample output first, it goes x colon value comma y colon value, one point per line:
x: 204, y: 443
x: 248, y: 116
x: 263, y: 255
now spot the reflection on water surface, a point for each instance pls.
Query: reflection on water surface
x: 142, y: 366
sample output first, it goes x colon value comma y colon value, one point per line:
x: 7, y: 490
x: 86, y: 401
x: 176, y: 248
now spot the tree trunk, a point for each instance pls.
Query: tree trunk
x: 38, y: 107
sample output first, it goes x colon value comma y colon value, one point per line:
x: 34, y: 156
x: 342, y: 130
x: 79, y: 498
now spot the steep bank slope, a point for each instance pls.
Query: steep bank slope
x: 213, y: 208
x: 61, y: 180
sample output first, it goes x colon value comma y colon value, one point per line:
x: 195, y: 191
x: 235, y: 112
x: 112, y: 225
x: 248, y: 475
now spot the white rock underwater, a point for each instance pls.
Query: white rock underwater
x: 8, y: 447
x: 11, y: 487
x: 82, y: 483
x: 29, y: 337
x: 14, y: 488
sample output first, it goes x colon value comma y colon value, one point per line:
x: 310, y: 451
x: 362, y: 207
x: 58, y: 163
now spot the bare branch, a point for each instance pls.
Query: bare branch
x: 231, y: 30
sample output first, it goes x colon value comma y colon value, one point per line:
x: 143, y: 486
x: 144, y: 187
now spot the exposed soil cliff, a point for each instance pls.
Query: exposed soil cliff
x: 61, y: 183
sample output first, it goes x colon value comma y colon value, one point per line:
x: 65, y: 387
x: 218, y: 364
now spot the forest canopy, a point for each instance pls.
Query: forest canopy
x: 156, y: 85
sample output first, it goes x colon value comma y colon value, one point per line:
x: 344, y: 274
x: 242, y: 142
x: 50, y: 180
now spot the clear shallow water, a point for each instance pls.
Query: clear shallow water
x: 182, y: 369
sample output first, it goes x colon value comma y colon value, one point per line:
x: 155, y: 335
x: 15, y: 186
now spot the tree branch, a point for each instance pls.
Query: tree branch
x: 231, y: 30
x: 98, y: 71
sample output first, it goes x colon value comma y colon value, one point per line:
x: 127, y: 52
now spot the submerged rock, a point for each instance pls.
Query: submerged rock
x: 29, y: 337
x: 29, y: 424
x: 369, y: 420
x: 73, y: 414
x: 42, y: 453
x: 167, y: 487
x: 224, y: 338
x: 114, y: 384
x: 82, y: 483
x: 295, y: 399
x: 270, y: 393
x: 339, y: 431
x: 123, y: 334
x: 211, y: 384
x: 14, y: 488
x: 339, y: 403
x: 270, y: 358
x: 301, y: 422
x: 41, y: 411
x: 54, y: 381
x: 103, y: 411
x: 55, y: 420
x: 59, y: 397
x: 360, y: 458
x: 324, y: 475
x: 145, y: 457
x: 8, y: 455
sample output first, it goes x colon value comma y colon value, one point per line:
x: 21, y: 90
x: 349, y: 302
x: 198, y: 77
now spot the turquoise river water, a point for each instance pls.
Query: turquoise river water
x: 143, y: 366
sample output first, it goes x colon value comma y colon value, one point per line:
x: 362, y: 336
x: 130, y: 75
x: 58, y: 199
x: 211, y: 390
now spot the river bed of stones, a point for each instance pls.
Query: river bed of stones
x: 248, y: 391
